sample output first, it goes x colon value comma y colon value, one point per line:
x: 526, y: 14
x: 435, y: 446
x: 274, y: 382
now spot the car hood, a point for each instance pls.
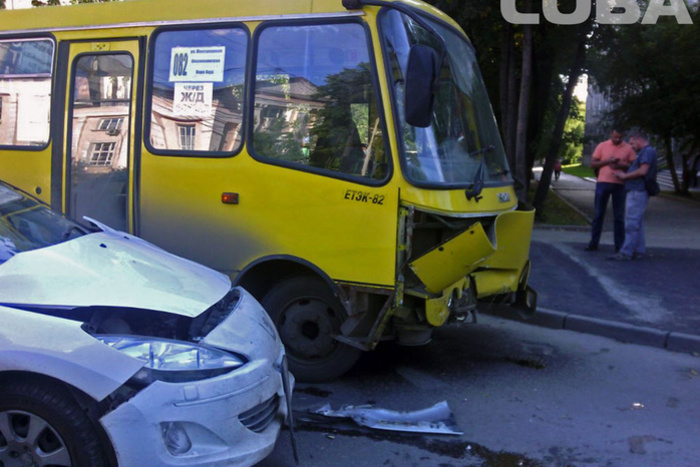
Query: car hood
x: 110, y: 268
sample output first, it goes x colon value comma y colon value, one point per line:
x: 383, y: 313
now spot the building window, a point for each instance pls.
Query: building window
x: 25, y: 82
x: 186, y: 137
x: 111, y: 125
x: 101, y: 154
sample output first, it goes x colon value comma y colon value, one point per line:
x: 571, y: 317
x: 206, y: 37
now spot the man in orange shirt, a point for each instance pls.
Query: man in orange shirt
x: 610, y: 156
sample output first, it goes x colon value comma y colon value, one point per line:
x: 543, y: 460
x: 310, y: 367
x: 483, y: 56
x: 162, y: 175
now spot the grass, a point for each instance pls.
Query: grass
x: 578, y: 170
x: 556, y: 211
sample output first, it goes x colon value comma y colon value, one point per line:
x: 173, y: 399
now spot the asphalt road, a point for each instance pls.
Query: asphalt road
x: 659, y: 292
x: 523, y: 396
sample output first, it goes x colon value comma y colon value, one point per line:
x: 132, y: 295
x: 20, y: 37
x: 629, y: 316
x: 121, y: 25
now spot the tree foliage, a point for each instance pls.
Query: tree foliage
x: 38, y: 3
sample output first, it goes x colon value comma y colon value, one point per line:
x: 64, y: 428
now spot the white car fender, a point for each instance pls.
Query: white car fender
x: 59, y: 348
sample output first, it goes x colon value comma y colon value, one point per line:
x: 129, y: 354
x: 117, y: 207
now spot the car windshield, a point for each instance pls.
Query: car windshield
x: 26, y: 224
x: 462, y: 145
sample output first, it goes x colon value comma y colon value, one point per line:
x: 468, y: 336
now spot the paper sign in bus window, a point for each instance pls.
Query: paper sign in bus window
x: 197, y: 64
x: 193, y: 99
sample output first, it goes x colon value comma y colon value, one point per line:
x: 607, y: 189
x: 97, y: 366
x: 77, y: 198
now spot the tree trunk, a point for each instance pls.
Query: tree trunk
x: 668, y: 144
x: 504, y: 72
x: 693, y: 172
x: 562, y: 116
x: 690, y: 160
x: 509, y: 93
x: 543, y: 83
x: 520, y: 170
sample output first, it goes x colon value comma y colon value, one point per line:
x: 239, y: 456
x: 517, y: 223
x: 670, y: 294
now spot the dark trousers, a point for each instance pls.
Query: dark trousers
x: 603, y: 191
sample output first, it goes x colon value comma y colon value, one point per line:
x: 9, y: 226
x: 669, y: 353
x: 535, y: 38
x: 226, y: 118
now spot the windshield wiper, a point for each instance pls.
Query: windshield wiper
x: 475, y: 188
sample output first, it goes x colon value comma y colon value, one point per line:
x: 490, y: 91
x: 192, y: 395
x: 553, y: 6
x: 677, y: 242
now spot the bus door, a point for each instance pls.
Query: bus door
x: 100, y: 130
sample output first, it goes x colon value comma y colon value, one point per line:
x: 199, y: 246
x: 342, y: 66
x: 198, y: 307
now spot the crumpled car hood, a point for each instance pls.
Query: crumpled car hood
x: 110, y: 268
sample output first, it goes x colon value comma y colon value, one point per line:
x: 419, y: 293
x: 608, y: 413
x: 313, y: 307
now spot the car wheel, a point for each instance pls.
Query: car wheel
x: 42, y: 425
x: 307, y: 315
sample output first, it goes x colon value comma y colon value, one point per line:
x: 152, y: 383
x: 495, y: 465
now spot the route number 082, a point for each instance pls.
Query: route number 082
x: 180, y: 64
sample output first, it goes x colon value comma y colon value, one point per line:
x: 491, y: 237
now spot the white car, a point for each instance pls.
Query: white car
x: 113, y: 351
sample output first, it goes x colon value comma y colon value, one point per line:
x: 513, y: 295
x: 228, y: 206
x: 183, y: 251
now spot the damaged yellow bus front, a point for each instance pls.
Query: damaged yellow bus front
x: 462, y: 236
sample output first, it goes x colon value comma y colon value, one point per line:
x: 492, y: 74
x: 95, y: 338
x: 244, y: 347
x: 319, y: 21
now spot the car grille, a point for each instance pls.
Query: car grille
x: 259, y: 417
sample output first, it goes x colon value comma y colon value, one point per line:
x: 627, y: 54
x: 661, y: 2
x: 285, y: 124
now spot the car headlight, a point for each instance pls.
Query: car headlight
x: 173, y: 361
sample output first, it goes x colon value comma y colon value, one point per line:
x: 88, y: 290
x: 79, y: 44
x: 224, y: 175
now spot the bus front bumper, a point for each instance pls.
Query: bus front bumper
x: 479, y: 265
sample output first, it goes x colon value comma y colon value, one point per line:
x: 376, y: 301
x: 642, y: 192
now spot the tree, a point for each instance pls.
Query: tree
x: 563, y: 114
x: 38, y: 3
x: 521, y: 146
x: 574, y: 133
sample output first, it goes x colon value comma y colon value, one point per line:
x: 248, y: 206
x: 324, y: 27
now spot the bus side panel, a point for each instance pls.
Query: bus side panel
x: 28, y: 170
x: 347, y: 230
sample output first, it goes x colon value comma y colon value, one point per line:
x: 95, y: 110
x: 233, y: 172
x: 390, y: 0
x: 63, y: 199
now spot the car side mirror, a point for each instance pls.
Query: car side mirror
x: 421, y: 74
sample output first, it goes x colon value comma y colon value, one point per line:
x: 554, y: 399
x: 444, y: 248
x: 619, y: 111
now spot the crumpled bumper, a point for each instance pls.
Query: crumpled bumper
x: 232, y: 419
x: 212, y: 413
x: 496, y: 258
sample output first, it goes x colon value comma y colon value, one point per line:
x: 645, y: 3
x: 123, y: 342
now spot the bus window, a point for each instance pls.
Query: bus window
x: 197, y: 103
x: 315, y: 103
x: 25, y: 91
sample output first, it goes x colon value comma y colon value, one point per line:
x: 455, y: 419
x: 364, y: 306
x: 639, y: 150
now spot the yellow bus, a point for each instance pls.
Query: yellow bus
x: 337, y: 158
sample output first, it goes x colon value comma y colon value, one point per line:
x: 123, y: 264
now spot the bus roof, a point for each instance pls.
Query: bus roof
x: 137, y: 13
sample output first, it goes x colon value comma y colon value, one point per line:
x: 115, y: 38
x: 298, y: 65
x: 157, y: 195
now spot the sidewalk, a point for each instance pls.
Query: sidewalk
x: 669, y: 222
x: 648, y: 300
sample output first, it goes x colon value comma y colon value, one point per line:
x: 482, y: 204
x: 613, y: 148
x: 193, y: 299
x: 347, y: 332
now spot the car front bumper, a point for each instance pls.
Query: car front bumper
x: 233, y: 419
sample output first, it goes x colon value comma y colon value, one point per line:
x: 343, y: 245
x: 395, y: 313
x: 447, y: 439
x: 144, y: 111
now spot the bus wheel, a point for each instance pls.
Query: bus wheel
x: 307, y: 315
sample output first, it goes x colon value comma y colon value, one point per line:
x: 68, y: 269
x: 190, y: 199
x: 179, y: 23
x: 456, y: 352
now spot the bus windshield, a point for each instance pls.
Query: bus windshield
x: 462, y: 145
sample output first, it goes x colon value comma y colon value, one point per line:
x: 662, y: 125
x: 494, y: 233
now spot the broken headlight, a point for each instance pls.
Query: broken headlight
x: 173, y: 361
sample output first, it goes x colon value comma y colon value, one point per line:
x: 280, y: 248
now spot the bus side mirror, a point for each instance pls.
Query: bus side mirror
x: 421, y: 74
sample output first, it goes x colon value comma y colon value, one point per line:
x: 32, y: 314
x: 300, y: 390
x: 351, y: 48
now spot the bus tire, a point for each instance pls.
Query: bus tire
x: 307, y: 315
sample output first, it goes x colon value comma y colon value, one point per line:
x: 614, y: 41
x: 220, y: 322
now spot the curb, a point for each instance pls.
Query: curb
x: 622, y: 332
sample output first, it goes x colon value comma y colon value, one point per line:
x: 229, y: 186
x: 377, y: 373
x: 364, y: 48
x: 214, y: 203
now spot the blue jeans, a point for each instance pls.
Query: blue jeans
x: 634, y: 223
x: 603, y: 191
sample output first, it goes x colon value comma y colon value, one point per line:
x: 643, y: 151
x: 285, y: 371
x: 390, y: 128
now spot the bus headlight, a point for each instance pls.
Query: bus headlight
x: 173, y: 361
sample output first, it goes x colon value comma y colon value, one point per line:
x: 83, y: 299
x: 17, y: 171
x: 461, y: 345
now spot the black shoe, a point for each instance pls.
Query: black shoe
x: 591, y: 248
